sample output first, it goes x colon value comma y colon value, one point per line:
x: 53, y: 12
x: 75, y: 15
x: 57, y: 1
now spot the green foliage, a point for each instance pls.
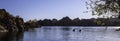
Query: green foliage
x: 31, y: 23
x: 99, y: 22
x: 106, y: 8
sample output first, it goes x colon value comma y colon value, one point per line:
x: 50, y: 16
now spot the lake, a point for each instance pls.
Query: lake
x: 63, y: 33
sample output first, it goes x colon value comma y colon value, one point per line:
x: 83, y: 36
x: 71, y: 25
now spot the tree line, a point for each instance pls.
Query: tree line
x: 66, y: 21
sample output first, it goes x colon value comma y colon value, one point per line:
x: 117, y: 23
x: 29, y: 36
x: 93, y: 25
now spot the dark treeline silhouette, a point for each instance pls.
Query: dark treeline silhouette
x: 66, y: 21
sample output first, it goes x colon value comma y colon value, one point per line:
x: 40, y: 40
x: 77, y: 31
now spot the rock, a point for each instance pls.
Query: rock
x: 2, y: 29
x: 20, y: 23
x: 14, y: 24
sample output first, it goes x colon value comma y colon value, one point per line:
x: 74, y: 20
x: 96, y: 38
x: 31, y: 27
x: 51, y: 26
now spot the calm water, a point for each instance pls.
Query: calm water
x: 63, y: 33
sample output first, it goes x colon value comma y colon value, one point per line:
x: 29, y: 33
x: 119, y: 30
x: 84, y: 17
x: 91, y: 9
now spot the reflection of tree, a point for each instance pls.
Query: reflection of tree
x: 65, y: 36
x: 66, y: 28
x: 12, y: 36
x: 19, y: 36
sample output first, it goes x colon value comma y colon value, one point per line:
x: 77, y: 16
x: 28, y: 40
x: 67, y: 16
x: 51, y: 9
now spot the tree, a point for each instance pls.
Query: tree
x: 47, y: 22
x: 105, y: 8
x: 65, y: 21
x: 31, y: 23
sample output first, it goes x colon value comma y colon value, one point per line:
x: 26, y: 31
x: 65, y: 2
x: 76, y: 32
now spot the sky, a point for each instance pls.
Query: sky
x: 41, y: 9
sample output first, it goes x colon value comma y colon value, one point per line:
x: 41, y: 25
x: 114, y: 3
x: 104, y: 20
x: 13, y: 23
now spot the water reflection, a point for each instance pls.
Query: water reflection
x: 11, y: 36
x: 63, y: 33
x: 66, y: 28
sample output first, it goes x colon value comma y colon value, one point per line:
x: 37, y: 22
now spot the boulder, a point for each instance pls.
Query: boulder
x: 2, y: 29
x: 12, y: 23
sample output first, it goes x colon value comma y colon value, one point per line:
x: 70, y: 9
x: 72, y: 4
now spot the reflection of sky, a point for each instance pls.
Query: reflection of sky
x: 40, y: 9
x: 59, y: 33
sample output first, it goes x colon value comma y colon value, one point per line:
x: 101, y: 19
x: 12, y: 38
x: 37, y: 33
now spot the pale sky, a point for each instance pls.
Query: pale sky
x: 41, y: 9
